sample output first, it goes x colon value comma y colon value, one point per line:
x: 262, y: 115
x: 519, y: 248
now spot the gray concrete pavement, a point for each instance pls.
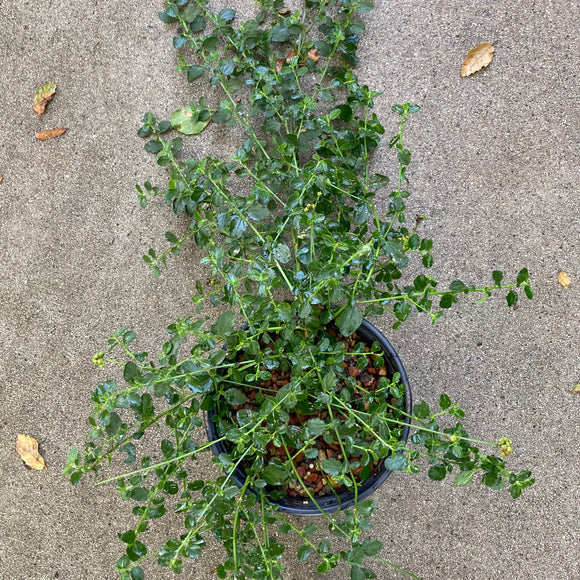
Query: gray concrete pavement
x: 495, y: 170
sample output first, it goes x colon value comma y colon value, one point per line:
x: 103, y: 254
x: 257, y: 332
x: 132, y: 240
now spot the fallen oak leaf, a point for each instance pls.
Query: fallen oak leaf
x: 564, y: 280
x: 42, y: 97
x: 50, y: 133
x: 477, y: 58
x: 27, y: 448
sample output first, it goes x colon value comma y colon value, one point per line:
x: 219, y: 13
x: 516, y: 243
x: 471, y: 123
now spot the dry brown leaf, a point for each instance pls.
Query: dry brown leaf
x: 50, y: 134
x: 27, y: 448
x: 42, y: 97
x: 1, y: 178
x: 279, y: 65
x: 564, y: 280
x: 575, y: 389
x: 477, y: 58
x: 291, y: 54
x: 313, y: 54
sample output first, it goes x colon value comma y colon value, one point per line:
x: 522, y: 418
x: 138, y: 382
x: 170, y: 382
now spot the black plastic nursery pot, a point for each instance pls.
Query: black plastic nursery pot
x: 303, y: 506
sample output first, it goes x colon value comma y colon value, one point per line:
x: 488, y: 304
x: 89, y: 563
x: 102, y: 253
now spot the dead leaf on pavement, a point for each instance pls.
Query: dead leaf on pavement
x: 576, y: 389
x: 477, y: 58
x: 1, y: 178
x: 42, y: 97
x: 564, y: 280
x: 313, y: 54
x: 27, y: 448
x: 50, y: 134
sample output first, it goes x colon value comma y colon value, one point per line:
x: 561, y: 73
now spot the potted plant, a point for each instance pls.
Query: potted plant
x: 307, y: 405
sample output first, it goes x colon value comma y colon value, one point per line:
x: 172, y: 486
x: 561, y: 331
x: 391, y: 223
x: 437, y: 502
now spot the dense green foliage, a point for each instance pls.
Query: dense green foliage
x: 298, y: 235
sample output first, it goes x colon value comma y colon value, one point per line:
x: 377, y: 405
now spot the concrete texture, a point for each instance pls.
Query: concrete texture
x: 495, y: 169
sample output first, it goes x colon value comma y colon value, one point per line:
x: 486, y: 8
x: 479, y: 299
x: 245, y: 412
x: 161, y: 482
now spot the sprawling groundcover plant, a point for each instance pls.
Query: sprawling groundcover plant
x: 301, y: 240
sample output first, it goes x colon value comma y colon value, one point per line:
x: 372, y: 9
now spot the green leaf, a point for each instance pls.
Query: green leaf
x: 372, y: 547
x: 304, y: 310
x: 512, y: 297
x: 457, y: 286
x: 171, y: 238
x: 378, y: 181
x: 227, y: 66
x: 114, y: 424
x: 404, y: 157
x: 227, y: 14
x: 153, y: 146
x: 72, y: 456
x: 144, y: 131
x: 128, y: 537
x: 224, y: 325
x: 172, y: 11
x: 271, y: 126
x: 235, y: 397
x: 310, y: 529
x: 258, y: 212
x: 194, y: 72
x: 179, y: 41
x: 131, y: 372
x: 395, y: 249
x: 397, y: 462
x: 312, y: 452
x: 238, y: 227
x: 315, y: 427
x: 273, y: 474
x: 282, y: 253
x: 437, y: 472
x: 523, y: 276
x: 136, y: 550
x: 497, y: 276
x: 447, y: 300
x: 303, y: 552
x: 234, y: 434
x: 139, y: 494
x: 280, y: 33
x: 421, y: 410
x: 529, y: 292
x: 137, y: 573
x: 323, y: 47
x: 463, y: 478
x: 190, y: 13
x: 186, y: 121
x: 444, y: 401
x: 210, y: 43
x: 515, y: 491
x: 165, y: 17
x: 349, y: 320
x: 331, y: 466
x: 493, y: 479
x: 368, y: 6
